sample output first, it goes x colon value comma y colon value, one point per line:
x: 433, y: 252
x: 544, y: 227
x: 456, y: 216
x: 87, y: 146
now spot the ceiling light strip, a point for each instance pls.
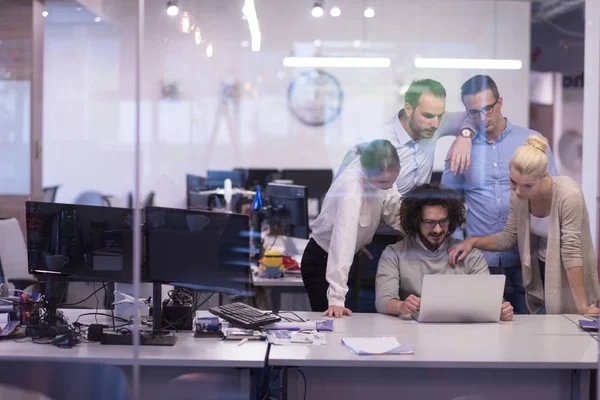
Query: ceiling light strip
x: 467, y: 63
x: 250, y: 13
x: 336, y: 62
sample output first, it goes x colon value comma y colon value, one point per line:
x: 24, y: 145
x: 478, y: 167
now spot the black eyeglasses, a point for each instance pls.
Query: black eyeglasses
x: 487, y: 110
x: 431, y: 223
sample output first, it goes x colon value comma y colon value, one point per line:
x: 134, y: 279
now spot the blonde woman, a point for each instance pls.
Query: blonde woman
x: 549, y: 221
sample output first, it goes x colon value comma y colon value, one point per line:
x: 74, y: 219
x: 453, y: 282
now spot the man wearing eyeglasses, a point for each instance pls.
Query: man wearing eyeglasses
x: 428, y: 215
x: 485, y: 185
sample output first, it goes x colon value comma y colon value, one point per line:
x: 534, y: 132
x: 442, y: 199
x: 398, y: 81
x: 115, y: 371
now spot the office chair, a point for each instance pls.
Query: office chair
x: 50, y: 194
x: 11, y: 392
x: 91, y: 198
x: 13, y: 256
x: 149, y: 201
x: 66, y: 380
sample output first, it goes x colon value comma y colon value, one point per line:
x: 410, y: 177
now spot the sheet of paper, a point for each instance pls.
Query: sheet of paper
x: 285, y: 337
x: 4, y: 320
x: 376, y: 345
x: 8, y: 329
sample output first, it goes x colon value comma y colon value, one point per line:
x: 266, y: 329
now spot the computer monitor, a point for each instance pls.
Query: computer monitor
x: 199, y: 201
x: 85, y: 243
x: 317, y: 181
x: 288, y: 209
x: 195, y: 183
x: 256, y: 176
x: 215, y: 179
x: 200, y: 250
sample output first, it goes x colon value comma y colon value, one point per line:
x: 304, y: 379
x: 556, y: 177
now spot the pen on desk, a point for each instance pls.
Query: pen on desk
x: 242, y: 341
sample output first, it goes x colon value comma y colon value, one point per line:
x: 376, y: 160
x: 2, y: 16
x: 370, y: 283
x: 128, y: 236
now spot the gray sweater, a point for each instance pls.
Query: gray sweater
x: 403, y: 265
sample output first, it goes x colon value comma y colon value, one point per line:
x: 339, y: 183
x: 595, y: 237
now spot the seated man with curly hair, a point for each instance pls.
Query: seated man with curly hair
x: 428, y: 215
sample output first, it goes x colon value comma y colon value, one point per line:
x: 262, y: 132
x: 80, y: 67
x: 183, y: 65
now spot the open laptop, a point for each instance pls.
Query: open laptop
x: 461, y: 298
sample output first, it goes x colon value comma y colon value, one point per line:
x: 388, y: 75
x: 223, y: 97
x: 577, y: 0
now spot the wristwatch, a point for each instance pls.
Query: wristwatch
x: 467, y: 133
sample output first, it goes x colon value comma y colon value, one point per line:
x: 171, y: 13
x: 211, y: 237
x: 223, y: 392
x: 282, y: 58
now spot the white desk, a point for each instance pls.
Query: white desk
x: 366, y: 324
x: 532, y: 357
x: 226, y: 365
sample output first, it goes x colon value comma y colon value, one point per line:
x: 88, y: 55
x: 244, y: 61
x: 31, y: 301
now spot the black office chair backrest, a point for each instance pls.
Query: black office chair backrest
x: 50, y: 193
x: 149, y: 200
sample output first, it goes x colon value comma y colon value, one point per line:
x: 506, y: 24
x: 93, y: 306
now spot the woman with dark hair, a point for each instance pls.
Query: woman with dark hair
x: 362, y: 195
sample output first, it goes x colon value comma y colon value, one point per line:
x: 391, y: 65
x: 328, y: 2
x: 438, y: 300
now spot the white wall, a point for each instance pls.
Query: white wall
x: 88, y: 93
x: 15, y: 135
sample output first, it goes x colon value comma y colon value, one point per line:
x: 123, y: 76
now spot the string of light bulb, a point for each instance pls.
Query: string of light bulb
x: 318, y: 10
x: 186, y: 23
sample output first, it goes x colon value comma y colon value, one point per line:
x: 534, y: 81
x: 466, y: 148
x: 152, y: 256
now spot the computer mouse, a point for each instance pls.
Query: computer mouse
x: 66, y: 340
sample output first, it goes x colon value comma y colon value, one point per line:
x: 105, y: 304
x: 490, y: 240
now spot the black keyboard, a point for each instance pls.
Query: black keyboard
x: 243, y: 315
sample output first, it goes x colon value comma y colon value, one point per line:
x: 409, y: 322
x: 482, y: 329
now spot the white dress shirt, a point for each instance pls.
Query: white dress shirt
x: 351, y: 212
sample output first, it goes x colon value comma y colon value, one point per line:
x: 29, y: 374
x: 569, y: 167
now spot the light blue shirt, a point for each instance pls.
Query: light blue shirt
x: 486, y: 188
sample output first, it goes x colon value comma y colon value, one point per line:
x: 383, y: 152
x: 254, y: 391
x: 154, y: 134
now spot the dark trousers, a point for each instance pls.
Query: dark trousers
x: 361, y: 294
x: 542, y: 265
x: 314, y: 267
x: 513, y: 287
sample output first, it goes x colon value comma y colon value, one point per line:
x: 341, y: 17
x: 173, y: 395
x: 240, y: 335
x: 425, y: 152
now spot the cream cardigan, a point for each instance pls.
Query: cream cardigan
x: 569, y: 245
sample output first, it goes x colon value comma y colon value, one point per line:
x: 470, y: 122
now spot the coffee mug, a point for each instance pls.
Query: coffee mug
x: 56, y: 262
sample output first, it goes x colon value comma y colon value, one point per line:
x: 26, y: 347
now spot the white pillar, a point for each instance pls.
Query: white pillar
x: 591, y: 113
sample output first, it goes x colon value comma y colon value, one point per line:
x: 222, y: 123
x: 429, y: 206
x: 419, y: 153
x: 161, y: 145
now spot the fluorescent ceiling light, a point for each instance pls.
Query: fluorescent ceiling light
x: 467, y: 63
x: 336, y: 62
x: 249, y: 11
x: 335, y: 12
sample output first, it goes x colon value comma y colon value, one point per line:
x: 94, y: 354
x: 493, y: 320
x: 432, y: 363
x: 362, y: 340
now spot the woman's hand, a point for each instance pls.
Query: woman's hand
x: 366, y: 253
x: 337, y: 312
x: 591, y: 311
x: 459, y: 251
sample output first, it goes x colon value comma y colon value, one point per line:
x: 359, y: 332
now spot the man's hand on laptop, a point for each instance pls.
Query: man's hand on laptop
x: 507, y: 312
x: 337, y: 311
x: 411, y: 305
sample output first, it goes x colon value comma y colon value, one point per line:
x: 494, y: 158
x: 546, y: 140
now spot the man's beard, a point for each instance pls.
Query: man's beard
x: 413, y: 127
x: 434, y: 246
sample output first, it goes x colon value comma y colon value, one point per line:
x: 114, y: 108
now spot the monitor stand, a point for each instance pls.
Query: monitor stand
x: 52, y: 298
x: 157, y: 308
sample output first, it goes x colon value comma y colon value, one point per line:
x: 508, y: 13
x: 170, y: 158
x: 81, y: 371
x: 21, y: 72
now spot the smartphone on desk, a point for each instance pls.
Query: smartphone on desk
x: 588, y: 325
